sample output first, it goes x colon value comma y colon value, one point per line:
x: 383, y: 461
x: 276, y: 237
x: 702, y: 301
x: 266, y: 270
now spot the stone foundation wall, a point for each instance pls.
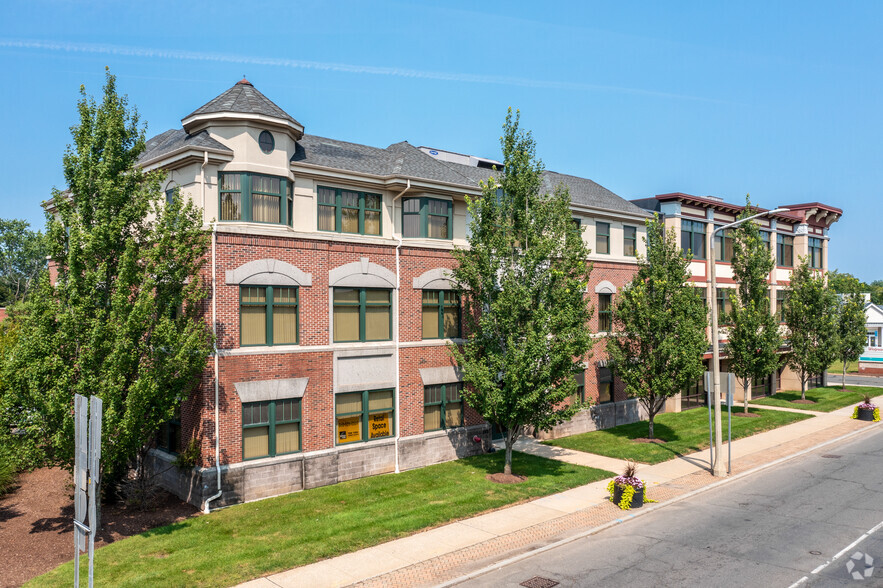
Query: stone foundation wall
x: 601, y: 416
x: 263, y: 478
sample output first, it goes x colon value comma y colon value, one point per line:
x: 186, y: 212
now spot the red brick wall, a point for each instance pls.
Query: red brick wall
x: 318, y: 258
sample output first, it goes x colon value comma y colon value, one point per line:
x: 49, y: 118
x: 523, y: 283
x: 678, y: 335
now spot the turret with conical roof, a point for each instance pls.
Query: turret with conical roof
x: 242, y: 102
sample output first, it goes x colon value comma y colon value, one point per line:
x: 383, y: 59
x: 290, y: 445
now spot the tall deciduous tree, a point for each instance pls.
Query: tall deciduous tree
x: 753, y: 339
x: 659, y: 324
x: 852, y: 334
x: 523, y: 281
x: 122, y: 321
x: 22, y: 257
x: 810, y: 313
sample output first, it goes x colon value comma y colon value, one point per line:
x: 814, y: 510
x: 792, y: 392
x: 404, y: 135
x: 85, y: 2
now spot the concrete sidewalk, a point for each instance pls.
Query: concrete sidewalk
x: 441, y: 554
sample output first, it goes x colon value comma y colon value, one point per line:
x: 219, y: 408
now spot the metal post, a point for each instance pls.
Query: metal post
x: 710, y: 431
x: 717, y: 466
x: 95, y: 406
x: 731, y: 384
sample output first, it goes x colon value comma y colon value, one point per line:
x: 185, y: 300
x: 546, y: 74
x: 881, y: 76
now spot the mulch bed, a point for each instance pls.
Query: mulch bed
x: 802, y: 401
x: 746, y: 414
x: 646, y: 440
x: 505, y: 478
x: 36, y: 523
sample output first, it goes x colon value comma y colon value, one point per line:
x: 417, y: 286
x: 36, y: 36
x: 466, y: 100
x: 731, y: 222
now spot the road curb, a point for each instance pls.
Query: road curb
x: 644, y: 511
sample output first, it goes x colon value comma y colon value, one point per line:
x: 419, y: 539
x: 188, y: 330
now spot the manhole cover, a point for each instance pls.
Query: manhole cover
x: 832, y: 456
x: 538, y: 582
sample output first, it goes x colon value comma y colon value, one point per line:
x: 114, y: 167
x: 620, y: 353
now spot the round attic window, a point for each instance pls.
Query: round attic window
x: 266, y: 141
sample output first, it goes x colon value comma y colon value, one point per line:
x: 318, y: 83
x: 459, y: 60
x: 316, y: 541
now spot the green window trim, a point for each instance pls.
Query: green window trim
x: 765, y: 237
x: 605, y: 385
x: 437, y: 302
x: 236, y: 198
x: 602, y: 238
x: 630, y: 241
x: 419, y: 216
x: 252, y: 418
x: 369, y: 430
x: 437, y: 395
x: 168, y: 437
x: 605, y: 313
x: 781, y: 301
x: 723, y: 246
x: 784, y: 250
x: 332, y: 204
x: 363, y: 304
x: 271, y: 293
x: 693, y: 238
x: 724, y: 304
x: 815, y: 253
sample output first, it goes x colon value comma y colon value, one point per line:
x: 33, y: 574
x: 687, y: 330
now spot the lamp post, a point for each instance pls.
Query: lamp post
x: 718, y: 468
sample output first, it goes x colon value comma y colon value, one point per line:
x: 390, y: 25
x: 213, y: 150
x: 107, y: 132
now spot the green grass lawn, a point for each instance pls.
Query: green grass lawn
x: 250, y: 540
x: 826, y: 399
x: 837, y: 367
x: 684, y: 432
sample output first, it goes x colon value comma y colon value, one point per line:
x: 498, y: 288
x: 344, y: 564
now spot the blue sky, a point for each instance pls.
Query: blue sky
x: 780, y: 100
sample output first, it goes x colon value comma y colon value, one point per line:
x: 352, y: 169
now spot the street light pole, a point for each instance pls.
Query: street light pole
x: 718, y: 469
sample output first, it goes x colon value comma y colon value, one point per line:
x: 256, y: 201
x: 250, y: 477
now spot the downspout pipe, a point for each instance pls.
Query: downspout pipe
x: 398, y: 236
x: 215, y: 345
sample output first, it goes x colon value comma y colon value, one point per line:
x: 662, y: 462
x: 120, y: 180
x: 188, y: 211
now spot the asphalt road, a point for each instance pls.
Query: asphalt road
x: 855, y: 380
x: 769, y: 529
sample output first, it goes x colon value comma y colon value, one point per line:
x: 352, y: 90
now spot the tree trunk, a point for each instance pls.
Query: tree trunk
x: 802, y: 386
x: 650, y: 433
x: 843, y: 382
x: 511, y: 436
x: 745, y: 383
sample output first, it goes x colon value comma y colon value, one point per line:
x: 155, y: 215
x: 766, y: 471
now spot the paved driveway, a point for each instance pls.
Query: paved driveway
x: 853, y: 380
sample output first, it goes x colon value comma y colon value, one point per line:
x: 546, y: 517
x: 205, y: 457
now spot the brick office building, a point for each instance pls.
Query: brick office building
x: 332, y: 305
x: 800, y: 232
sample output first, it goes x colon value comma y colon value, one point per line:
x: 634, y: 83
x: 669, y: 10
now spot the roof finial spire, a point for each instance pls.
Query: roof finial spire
x: 244, y: 81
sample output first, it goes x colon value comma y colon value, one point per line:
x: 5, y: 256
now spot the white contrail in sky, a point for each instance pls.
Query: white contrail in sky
x: 176, y: 54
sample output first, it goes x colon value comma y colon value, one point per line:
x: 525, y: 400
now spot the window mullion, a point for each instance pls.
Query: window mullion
x: 424, y: 218
x: 365, y: 419
x: 338, y: 210
x: 363, y: 312
x: 271, y: 445
x: 269, y: 315
x: 246, y: 197
x: 361, y: 213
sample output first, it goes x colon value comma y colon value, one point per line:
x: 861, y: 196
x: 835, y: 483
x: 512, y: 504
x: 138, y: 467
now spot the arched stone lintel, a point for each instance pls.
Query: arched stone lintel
x: 268, y: 272
x: 434, y: 279
x: 605, y: 287
x: 361, y: 274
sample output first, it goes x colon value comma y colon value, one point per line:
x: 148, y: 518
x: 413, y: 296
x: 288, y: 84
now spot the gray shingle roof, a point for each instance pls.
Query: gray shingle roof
x: 586, y: 192
x: 174, y: 139
x: 245, y: 98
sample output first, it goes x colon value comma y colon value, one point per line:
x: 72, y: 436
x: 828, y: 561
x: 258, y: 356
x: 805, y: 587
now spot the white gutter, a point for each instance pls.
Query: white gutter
x: 202, y: 180
x: 215, y: 344
x: 398, y: 236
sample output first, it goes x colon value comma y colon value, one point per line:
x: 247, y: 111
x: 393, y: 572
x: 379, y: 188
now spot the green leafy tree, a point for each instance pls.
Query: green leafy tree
x: 851, y: 331
x: 22, y: 257
x: 522, y: 281
x: 753, y: 338
x: 811, y: 316
x: 659, y: 321
x: 122, y: 321
x: 846, y: 283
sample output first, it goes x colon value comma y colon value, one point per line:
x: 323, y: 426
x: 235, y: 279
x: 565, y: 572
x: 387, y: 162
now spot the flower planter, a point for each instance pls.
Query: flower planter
x: 865, y: 414
x: 637, y: 498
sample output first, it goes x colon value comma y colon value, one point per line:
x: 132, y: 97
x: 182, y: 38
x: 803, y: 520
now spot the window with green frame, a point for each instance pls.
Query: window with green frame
x: 349, y: 211
x: 602, y: 237
x: 442, y: 406
x: 605, y: 312
x: 427, y: 218
x: 362, y: 314
x: 724, y: 304
x: 702, y: 292
x: 781, y: 301
x: 785, y: 250
x: 363, y: 416
x: 441, y: 314
x: 580, y: 377
x: 765, y: 237
x: 815, y: 253
x: 723, y: 246
x: 630, y: 241
x: 270, y: 428
x: 268, y: 315
x: 693, y: 238
x: 255, y: 198
x: 168, y: 438
x: 605, y: 385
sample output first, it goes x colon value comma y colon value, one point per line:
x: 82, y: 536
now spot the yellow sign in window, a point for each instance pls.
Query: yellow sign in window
x: 349, y: 429
x: 379, y: 425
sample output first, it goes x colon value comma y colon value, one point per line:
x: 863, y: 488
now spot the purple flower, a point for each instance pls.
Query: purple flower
x: 867, y: 406
x: 624, y: 481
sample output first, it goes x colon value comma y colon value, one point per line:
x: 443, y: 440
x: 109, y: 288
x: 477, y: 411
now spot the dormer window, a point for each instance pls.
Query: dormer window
x: 267, y: 142
x: 255, y: 198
